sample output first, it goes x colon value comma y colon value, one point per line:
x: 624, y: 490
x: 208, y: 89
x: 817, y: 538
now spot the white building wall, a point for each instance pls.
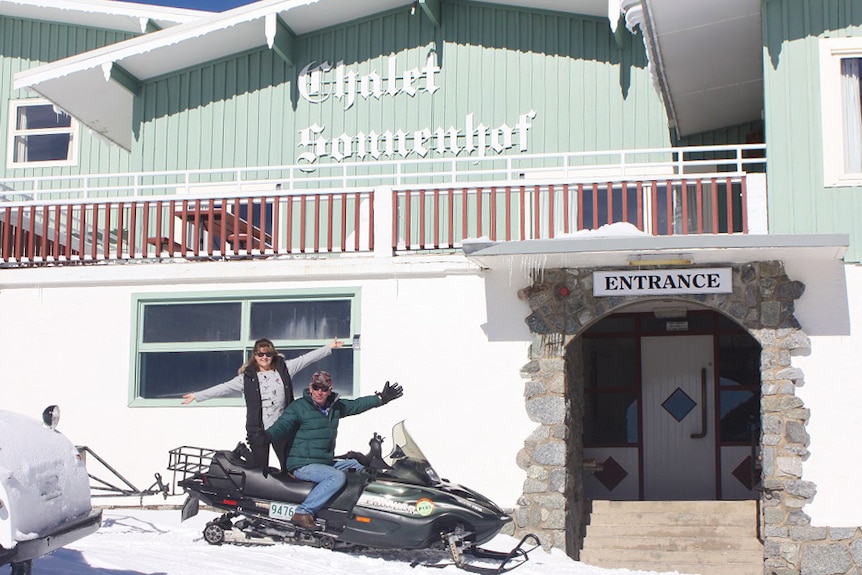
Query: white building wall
x: 453, y: 335
x: 425, y: 323
x: 833, y: 393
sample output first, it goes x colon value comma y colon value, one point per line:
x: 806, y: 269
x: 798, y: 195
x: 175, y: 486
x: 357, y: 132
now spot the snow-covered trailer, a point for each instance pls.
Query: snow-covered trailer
x: 44, y: 490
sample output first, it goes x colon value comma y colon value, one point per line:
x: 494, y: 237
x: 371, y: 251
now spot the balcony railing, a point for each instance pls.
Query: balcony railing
x: 395, y: 207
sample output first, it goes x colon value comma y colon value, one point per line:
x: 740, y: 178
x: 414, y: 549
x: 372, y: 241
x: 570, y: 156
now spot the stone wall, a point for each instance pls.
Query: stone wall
x: 552, y: 503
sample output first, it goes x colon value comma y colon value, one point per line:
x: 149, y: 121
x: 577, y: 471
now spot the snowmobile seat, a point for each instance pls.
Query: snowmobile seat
x: 229, y: 472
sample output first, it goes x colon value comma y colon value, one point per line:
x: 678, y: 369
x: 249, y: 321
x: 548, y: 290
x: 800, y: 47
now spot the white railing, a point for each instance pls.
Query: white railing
x: 583, y: 167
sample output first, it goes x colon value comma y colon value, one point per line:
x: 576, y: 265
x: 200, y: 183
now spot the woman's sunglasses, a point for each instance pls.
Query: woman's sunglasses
x: 265, y: 353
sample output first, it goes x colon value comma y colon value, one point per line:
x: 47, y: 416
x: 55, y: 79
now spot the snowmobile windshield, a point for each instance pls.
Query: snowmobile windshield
x: 407, y: 460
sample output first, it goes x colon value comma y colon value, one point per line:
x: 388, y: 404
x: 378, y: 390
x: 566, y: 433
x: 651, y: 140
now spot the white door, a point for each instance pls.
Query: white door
x: 678, y: 428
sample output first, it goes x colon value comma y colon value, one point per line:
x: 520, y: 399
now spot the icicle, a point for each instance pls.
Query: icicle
x: 533, y: 267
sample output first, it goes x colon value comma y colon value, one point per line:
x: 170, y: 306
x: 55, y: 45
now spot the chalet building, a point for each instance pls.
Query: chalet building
x: 610, y: 248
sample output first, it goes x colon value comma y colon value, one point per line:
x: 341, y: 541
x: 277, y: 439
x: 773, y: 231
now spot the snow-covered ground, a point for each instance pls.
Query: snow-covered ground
x: 134, y: 541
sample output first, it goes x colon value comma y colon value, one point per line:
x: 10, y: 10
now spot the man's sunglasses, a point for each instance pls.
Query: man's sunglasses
x: 265, y: 353
x: 316, y: 387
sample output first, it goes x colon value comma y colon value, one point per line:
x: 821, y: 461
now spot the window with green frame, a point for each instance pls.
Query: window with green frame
x: 194, y: 342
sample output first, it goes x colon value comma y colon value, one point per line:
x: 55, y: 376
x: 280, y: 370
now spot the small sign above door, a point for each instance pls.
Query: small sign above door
x: 662, y: 282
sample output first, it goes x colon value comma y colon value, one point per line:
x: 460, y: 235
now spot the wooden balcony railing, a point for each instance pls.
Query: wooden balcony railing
x: 199, y: 228
x: 435, y: 218
x: 421, y: 205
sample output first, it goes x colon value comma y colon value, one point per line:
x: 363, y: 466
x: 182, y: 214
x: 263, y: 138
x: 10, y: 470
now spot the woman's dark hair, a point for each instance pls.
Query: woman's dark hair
x: 263, y: 344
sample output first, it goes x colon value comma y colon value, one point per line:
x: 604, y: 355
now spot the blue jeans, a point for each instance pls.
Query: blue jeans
x: 329, y: 479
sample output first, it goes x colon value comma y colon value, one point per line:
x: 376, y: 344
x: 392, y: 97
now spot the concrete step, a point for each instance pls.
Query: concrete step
x: 732, y: 507
x: 664, y: 542
x: 643, y: 530
x: 702, y: 537
x: 694, y: 569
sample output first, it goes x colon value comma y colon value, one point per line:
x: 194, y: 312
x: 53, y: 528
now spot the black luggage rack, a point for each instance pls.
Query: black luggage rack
x: 188, y: 463
x: 187, y: 460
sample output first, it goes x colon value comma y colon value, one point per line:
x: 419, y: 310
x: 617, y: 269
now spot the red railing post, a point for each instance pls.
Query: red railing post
x: 302, y: 225
x: 465, y: 226
x: 436, y: 217
x: 289, y: 243
x: 479, y: 212
x: 344, y: 222
x: 421, y: 243
x: 508, y: 198
x: 276, y: 222
x: 492, y: 214
x: 6, y: 246
x: 451, y: 218
x: 408, y: 217
x: 370, y: 222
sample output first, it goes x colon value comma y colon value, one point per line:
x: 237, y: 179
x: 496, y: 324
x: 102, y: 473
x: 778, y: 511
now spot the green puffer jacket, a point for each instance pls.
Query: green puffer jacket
x: 313, y: 432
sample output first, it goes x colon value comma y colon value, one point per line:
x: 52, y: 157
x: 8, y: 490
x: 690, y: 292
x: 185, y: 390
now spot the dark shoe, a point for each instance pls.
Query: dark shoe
x: 304, y: 520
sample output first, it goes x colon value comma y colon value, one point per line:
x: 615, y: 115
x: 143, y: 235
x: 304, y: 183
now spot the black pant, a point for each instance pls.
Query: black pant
x: 260, y: 452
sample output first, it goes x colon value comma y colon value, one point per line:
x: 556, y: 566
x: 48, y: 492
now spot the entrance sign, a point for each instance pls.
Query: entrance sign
x: 662, y: 282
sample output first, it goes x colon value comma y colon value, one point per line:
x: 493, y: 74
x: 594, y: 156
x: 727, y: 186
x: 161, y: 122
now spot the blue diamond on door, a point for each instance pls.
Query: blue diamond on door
x: 611, y: 473
x: 678, y: 404
x: 744, y: 473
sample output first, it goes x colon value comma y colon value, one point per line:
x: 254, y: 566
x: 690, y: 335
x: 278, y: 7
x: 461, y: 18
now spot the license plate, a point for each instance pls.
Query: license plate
x: 281, y: 510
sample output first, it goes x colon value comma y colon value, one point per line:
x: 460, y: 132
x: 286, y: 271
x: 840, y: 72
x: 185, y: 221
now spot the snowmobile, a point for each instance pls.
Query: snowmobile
x: 396, y: 502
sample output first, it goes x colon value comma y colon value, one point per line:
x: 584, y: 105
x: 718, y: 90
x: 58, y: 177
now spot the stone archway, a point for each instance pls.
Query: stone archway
x: 563, y: 305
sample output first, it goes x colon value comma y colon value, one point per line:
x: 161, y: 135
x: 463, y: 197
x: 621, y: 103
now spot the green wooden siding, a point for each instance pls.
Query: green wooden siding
x: 496, y: 63
x: 25, y: 44
x: 798, y: 201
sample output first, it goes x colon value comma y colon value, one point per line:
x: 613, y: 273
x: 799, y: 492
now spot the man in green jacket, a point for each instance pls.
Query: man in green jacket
x: 313, y: 422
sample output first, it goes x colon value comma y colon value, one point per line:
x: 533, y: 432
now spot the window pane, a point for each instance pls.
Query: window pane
x: 339, y: 365
x: 39, y: 117
x: 192, y: 322
x: 300, y: 320
x: 610, y: 419
x: 740, y: 413
x: 172, y: 374
x: 739, y: 360
x: 42, y: 147
x: 851, y: 102
x: 607, y: 363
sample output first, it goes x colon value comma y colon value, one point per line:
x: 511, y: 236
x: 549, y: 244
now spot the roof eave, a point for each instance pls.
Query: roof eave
x: 702, y: 249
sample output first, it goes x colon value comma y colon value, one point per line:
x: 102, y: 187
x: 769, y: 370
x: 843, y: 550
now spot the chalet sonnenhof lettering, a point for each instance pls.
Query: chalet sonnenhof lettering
x: 654, y: 282
x: 318, y: 83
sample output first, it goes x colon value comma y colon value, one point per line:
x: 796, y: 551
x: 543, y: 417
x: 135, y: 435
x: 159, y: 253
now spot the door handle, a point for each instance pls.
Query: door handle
x: 702, y: 433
